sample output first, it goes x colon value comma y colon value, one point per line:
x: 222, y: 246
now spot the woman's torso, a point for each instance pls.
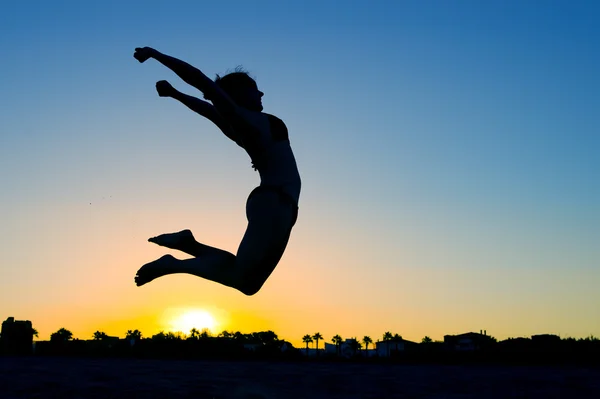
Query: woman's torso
x: 266, y: 141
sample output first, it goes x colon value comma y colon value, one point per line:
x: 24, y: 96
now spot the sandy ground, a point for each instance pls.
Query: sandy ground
x: 132, y: 378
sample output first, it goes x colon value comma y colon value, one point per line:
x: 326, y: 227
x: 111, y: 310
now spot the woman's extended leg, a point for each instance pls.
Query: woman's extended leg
x: 183, y: 241
x: 269, y: 226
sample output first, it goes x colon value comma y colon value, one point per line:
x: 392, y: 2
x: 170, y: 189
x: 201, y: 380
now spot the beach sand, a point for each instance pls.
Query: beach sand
x: 48, y: 377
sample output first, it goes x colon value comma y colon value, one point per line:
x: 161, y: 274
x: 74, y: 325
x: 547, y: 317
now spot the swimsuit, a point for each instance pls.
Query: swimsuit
x: 272, y: 157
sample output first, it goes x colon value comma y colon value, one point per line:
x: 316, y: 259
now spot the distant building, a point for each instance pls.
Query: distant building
x: 347, y: 349
x: 16, y: 337
x: 470, y: 341
x: 393, y: 347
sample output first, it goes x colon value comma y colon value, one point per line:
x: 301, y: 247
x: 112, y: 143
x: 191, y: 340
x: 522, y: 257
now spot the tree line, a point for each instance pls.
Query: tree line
x: 266, y: 344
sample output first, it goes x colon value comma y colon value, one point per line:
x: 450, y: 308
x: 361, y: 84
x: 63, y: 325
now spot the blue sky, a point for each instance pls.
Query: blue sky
x: 448, y: 150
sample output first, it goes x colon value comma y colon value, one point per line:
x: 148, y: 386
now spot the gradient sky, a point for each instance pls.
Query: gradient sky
x: 449, y: 152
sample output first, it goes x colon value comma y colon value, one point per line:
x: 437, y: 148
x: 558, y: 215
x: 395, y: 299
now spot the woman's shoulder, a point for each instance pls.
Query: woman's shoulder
x: 278, y: 128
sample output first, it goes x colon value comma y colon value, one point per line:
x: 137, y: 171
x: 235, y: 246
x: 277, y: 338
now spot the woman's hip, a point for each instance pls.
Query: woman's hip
x: 271, y: 201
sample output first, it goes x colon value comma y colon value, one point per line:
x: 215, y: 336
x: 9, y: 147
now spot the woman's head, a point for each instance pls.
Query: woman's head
x: 242, y: 89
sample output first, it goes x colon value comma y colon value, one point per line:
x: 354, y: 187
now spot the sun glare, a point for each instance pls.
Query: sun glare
x: 198, y: 319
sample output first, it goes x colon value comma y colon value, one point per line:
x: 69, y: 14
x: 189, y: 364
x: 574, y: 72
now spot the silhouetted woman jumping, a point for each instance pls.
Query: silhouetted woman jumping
x: 271, y: 208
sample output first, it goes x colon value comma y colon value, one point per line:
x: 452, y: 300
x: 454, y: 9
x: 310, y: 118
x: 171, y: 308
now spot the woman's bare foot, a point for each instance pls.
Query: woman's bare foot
x: 155, y: 269
x: 181, y: 241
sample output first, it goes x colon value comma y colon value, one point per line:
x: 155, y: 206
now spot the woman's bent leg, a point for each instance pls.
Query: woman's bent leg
x: 269, y: 225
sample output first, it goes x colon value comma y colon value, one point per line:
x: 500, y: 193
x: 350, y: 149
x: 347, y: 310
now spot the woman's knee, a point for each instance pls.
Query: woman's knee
x: 251, y: 287
x: 251, y: 280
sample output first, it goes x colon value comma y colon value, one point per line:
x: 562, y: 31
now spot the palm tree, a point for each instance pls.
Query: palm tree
x: 194, y: 333
x: 367, y: 340
x: 61, y: 335
x: 135, y: 335
x: 225, y: 334
x: 205, y: 333
x: 387, y: 336
x: 99, y: 336
x: 34, y: 332
x: 317, y: 337
x: 174, y: 336
x: 307, y: 339
x: 239, y: 337
x: 354, y: 345
x: 426, y: 340
x: 337, y: 340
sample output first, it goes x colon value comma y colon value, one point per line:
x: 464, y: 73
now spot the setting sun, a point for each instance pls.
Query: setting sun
x: 185, y: 320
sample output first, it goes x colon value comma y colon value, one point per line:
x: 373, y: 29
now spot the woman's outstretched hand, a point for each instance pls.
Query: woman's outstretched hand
x: 143, y: 53
x: 164, y: 88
